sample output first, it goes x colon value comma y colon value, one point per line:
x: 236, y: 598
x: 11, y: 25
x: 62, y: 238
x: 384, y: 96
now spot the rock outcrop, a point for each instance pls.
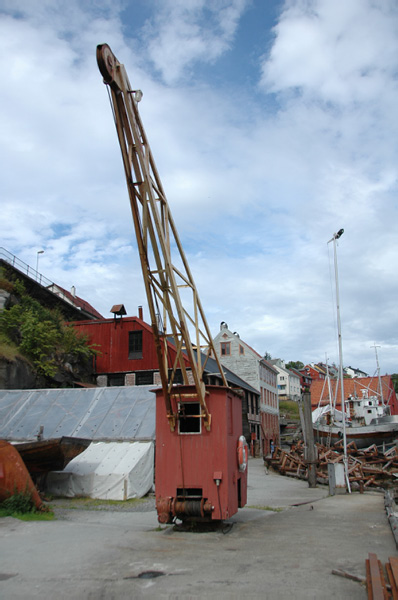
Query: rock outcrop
x: 16, y: 374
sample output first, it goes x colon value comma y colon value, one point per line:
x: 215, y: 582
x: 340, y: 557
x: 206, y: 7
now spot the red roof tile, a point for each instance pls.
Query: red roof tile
x: 320, y: 393
x: 79, y: 302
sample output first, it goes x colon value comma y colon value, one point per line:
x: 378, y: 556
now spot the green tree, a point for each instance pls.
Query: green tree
x: 295, y: 364
x: 41, y: 335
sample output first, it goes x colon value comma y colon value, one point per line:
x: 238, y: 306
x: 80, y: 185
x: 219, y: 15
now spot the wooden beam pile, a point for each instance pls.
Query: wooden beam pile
x: 378, y: 585
x: 289, y: 463
x: 381, y: 582
x: 366, y: 468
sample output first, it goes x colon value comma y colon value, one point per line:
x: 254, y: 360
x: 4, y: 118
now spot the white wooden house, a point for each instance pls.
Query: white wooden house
x: 289, y: 383
x: 249, y: 365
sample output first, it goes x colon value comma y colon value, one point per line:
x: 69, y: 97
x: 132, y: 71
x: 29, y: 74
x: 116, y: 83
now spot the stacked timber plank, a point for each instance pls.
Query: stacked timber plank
x: 379, y: 586
x: 369, y: 467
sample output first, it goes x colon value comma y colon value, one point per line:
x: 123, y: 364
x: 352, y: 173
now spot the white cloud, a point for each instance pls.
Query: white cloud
x: 336, y: 52
x: 184, y: 32
x: 257, y: 183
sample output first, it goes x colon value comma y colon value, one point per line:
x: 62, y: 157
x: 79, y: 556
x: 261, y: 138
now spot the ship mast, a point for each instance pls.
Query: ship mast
x: 378, y: 374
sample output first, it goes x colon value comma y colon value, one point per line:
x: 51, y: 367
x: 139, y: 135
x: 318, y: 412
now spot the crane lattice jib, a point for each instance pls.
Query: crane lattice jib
x: 165, y: 276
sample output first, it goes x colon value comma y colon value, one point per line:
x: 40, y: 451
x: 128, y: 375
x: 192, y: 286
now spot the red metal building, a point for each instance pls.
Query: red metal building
x: 126, y: 351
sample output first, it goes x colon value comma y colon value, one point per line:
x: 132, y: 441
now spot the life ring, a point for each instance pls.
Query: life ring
x: 243, y: 454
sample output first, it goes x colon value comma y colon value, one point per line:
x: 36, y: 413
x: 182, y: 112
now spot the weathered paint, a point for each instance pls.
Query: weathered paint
x: 198, y: 460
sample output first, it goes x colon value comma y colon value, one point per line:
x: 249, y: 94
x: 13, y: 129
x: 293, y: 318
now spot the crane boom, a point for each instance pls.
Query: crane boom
x: 164, y: 275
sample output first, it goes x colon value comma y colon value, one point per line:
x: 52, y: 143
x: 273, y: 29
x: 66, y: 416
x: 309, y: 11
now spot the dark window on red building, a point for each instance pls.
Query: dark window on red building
x: 177, y: 376
x: 144, y: 378
x: 135, y: 344
x: 115, y: 379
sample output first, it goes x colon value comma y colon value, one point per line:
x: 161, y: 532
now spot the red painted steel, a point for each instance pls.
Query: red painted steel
x: 14, y: 476
x: 198, y: 461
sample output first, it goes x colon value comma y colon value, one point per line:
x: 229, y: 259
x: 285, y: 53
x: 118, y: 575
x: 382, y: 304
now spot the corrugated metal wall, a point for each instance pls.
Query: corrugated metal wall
x: 111, y: 338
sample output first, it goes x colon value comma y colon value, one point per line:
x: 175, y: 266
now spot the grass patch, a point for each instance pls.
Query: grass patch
x: 32, y: 516
x: 8, y: 350
x: 270, y: 508
x: 84, y: 503
x: 290, y: 409
x: 20, y: 506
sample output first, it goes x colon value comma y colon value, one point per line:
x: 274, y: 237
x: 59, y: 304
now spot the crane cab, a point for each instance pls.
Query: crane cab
x: 200, y: 473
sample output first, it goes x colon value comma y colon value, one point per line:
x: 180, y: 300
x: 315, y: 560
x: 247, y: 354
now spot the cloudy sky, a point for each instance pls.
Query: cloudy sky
x: 273, y: 125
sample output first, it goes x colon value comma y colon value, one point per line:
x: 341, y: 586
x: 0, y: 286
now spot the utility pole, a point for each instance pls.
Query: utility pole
x: 308, y: 431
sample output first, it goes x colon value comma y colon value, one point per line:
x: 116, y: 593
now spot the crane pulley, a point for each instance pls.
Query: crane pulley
x: 164, y: 265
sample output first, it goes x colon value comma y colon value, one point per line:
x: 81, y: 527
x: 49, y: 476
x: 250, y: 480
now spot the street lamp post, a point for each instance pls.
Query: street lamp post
x: 37, y: 262
x: 334, y: 239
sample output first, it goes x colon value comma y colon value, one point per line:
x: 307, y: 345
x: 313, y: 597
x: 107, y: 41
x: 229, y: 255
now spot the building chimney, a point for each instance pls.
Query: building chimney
x: 140, y: 313
x: 73, y: 291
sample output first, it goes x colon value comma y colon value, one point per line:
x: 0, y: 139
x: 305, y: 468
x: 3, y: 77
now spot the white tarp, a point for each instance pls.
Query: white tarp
x: 318, y: 412
x: 107, y: 471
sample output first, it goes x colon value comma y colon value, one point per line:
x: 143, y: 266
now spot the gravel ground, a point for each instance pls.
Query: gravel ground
x: 65, y: 508
x: 283, y: 545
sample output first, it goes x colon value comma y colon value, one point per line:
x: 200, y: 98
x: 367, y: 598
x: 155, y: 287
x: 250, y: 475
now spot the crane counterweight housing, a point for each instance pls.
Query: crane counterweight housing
x: 199, y: 472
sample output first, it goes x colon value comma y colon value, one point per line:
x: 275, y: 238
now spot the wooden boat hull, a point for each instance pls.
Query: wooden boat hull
x: 50, y: 455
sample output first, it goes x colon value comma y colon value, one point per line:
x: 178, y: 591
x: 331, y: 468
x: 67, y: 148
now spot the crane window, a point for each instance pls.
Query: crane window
x: 135, y: 344
x: 189, y: 417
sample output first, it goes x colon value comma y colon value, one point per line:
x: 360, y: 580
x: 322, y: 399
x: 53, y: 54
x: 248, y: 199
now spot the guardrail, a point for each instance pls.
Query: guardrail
x: 24, y: 268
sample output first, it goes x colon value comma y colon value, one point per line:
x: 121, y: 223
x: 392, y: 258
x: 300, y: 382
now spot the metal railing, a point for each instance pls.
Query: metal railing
x: 24, y: 268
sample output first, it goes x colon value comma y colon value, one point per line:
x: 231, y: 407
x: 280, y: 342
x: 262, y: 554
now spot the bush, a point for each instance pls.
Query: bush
x: 17, y: 504
x: 21, y: 506
x: 41, y: 335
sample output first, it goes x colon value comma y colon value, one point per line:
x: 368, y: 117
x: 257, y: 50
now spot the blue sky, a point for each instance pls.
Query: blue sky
x: 273, y: 125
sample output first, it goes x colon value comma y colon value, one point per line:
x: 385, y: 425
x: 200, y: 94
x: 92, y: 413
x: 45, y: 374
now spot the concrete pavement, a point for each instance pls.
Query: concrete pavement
x: 266, y: 554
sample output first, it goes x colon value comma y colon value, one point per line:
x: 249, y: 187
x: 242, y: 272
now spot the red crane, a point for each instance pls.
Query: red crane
x: 200, y: 469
